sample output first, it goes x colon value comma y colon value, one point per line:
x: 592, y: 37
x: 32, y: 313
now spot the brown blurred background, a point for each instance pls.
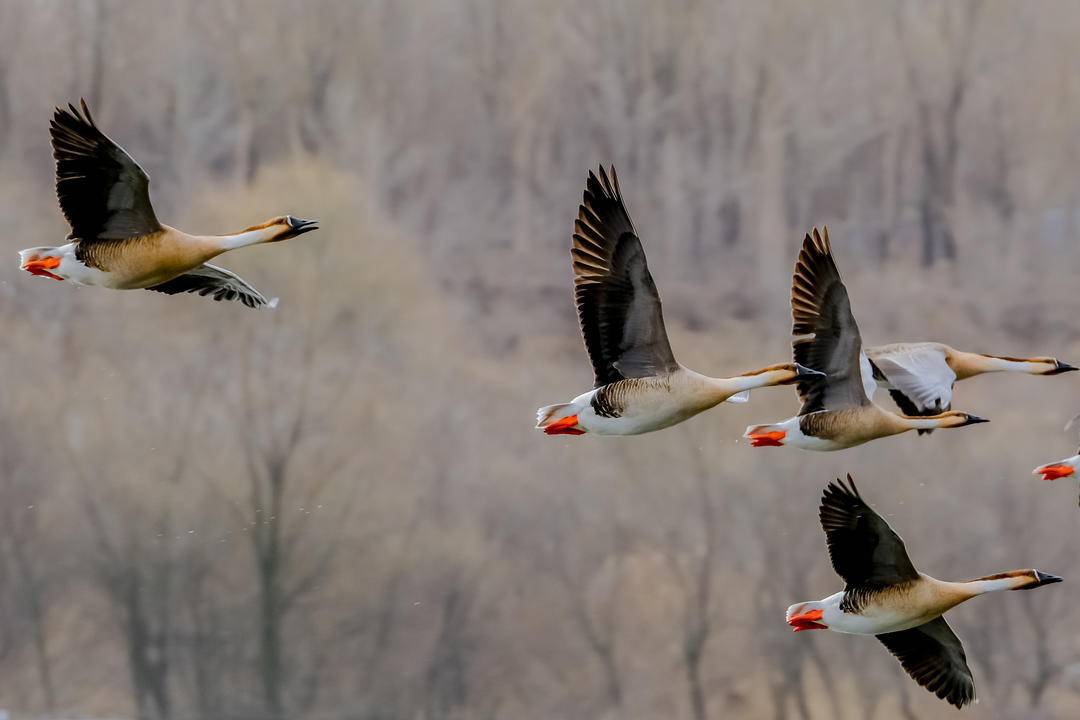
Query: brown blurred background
x: 340, y: 508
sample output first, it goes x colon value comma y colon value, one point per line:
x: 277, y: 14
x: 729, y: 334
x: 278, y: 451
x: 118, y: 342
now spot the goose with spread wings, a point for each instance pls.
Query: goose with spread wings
x: 836, y: 411
x: 116, y: 240
x: 884, y: 595
x: 920, y: 376
x: 638, y: 385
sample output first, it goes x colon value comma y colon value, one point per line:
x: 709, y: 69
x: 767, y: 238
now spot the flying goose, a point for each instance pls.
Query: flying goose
x: 117, y: 240
x: 837, y: 412
x: 920, y: 376
x: 639, y: 387
x: 884, y: 595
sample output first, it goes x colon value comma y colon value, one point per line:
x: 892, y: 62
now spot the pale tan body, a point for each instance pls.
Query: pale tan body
x: 146, y: 261
x: 910, y: 604
x: 639, y: 405
x: 152, y: 259
x: 848, y: 427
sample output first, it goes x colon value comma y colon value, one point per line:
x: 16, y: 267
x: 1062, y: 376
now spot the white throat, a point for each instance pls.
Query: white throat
x: 993, y: 364
x: 248, y: 237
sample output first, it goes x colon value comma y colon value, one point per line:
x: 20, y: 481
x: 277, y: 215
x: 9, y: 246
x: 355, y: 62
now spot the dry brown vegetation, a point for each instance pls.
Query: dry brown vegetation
x: 339, y: 509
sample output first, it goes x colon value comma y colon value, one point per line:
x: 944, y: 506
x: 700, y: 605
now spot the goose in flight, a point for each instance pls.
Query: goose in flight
x: 884, y: 595
x: 920, y: 376
x: 638, y: 385
x: 116, y: 239
x: 836, y: 411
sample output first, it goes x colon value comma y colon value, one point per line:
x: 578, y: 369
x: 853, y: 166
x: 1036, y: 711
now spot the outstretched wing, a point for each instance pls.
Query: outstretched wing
x: 103, y: 193
x: 934, y: 657
x: 618, y: 305
x: 920, y: 374
x: 865, y: 551
x: 215, y: 281
x: 820, y: 309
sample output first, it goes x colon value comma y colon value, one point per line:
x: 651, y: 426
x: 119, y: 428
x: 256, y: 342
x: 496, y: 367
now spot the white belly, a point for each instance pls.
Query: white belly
x: 75, y: 272
x: 796, y: 438
x: 653, y: 411
x: 871, y: 621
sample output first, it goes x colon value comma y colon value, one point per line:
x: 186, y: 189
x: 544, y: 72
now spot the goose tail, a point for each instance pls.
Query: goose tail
x: 559, y: 419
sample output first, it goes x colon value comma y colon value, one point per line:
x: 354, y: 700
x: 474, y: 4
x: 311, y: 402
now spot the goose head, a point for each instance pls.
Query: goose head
x: 955, y: 419
x: 1050, y: 366
x: 285, y: 227
x: 1031, y: 579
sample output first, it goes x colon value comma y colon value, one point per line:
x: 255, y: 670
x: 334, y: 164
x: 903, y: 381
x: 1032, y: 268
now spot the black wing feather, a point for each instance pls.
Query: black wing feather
x: 865, y: 551
x: 618, y: 305
x: 934, y: 657
x: 820, y: 308
x: 215, y: 281
x: 103, y: 193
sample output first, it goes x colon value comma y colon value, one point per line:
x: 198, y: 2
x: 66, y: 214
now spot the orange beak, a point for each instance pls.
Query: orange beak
x: 1053, y: 472
x: 42, y: 266
x: 807, y: 621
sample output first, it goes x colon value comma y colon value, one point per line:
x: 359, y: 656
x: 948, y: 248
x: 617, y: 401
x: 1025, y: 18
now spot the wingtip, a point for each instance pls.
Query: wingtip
x: 272, y: 303
x: 601, y: 185
x: 820, y: 240
x: 838, y: 486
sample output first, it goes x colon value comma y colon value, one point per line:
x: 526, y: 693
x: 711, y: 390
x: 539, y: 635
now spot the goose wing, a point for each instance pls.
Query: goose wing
x: 820, y: 309
x: 934, y: 657
x: 869, y: 382
x: 103, y: 193
x: 920, y: 377
x: 864, y: 550
x: 215, y: 281
x: 617, y: 302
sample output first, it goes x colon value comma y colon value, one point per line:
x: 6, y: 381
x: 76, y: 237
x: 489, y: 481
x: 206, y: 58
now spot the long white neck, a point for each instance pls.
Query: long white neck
x: 1020, y: 366
x: 981, y: 586
x: 248, y: 237
x: 969, y: 364
x: 758, y: 380
x: 921, y: 423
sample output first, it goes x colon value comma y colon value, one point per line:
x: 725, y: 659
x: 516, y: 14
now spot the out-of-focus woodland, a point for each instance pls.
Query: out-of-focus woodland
x: 340, y: 508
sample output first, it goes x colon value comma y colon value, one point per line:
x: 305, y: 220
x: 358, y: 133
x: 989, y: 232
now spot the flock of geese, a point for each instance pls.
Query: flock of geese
x: 117, y: 242
x: 639, y: 387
